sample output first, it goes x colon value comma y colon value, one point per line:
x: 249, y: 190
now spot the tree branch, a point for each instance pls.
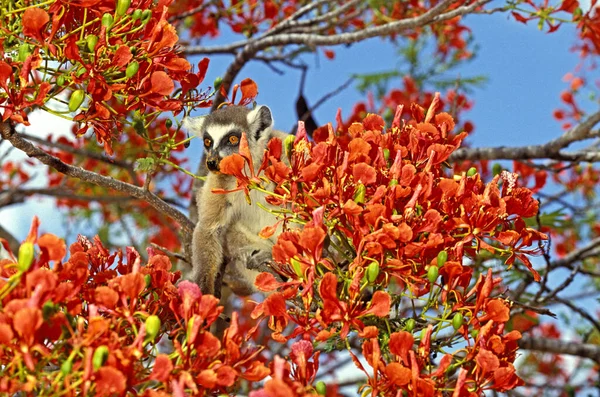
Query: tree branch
x: 157, y: 203
x: 550, y: 150
x: 560, y: 347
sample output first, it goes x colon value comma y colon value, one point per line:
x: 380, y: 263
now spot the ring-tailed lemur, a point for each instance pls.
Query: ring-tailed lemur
x: 226, y: 246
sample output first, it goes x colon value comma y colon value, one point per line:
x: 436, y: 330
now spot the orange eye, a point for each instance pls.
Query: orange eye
x: 234, y: 140
x: 207, y: 142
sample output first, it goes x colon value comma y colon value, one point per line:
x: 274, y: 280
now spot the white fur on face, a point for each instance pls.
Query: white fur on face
x: 217, y: 132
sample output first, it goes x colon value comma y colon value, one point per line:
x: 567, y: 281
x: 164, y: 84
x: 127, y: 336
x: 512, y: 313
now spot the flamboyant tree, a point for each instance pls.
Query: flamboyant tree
x: 417, y: 264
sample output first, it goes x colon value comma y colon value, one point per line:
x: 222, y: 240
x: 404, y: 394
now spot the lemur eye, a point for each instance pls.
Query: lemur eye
x: 207, y: 142
x: 234, y: 140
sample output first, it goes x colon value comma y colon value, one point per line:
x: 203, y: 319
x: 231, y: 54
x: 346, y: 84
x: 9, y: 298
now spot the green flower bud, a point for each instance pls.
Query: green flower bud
x: 288, y: 145
x: 386, y: 154
x: 372, y: 272
x: 132, y: 69
x: 410, y: 325
x: 442, y: 258
x: 26, y: 254
x: 146, y: 15
x: 92, y: 40
x: 152, y: 327
x: 496, y: 169
x: 99, y: 357
x: 137, y: 14
x: 60, y: 80
x: 359, y: 193
x: 457, y: 321
x: 76, y: 100
x: 393, y: 182
x: 107, y: 20
x: 217, y: 83
x: 321, y: 388
x: 432, y: 273
x: 168, y: 123
x: 472, y: 171
x: 122, y: 7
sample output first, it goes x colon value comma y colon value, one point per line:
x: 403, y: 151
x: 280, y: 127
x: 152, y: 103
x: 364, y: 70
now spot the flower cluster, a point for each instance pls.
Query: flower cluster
x: 389, y: 243
x: 91, y: 324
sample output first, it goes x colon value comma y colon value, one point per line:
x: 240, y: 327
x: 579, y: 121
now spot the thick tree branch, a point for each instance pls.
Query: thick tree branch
x: 560, y: 347
x: 77, y: 172
x: 550, y: 150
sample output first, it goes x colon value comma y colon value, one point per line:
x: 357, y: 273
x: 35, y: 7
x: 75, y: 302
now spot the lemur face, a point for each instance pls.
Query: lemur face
x: 221, y: 131
x: 220, y: 141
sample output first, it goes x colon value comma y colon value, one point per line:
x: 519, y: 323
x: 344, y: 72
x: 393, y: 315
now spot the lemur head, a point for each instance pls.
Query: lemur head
x: 221, y: 132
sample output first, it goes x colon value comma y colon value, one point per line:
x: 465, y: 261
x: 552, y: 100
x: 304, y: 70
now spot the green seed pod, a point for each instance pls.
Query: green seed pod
x: 457, y: 321
x: 432, y: 273
x: 76, y: 100
x: 148, y: 280
x: 442, y: 258
x: 99, y: 357
x: 321, y: 388
x: 168, y: 123
x: 217, y: 83
x: 372, y: 272
x: 66, y: 367
x: 472, y: 171
x: 410, y: 325
x: 122, y: 7
x: 359, y: 193
x: 107, y: 20
x: 92, y: 40
x: 152, y: 327
x: 60, y: 80
x: 146, y: 15
x: 24, y: 52
x: 297, y: 267
x: 26, y: 254
x: 137, y: 14
x: 132, y: 69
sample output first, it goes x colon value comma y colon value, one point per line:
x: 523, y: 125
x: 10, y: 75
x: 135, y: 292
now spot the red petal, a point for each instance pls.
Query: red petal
x: 380, y: 304
x: 56, y: 247
x: 373, y: 122
x: 34, y: 19
x: 26, y: 321
x: 161, y: 83
x: 249, y: 91
x: 364, y: 173
x: 401, y: 343
x: 106, y: 296
x: 398, y: 374
x: 487, y: 361
x: 110, y: 381
x: 123, y: 56
x: 266, y: 282
x: 162, y: 368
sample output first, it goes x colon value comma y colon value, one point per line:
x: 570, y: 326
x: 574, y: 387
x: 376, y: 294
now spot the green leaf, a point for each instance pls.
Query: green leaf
x: 146, y: 164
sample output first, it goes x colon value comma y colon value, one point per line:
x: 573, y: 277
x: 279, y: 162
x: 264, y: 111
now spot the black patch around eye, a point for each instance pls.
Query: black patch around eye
x: 232, y: 133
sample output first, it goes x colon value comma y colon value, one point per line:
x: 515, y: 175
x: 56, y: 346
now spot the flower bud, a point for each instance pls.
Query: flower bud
x: 217, y: 83
x: 66, y: 367
x: 472, y: 171
x: 152, y: 327
x: 372, y: 271
x: 76, y: 100
x: 288, y: 145
x: 132, y: 69
x: 91, y: 41
x: 146, y: 15
x: 321, y: 388
x: 107, y: 20
x: 122, y: 7
x: 137, y: 14
x: 442, y: 258
x: 26, y: 254
x: 432, y: 273
x: 99, y: 357
x: 457, y: 321
x: 410, y: 325
x: 359, y: 193
x: 24, y: 52
x: 297, y: 266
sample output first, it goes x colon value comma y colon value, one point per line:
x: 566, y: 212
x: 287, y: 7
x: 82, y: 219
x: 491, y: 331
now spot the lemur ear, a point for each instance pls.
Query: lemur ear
x: 193, y: 125
x: 260, y: 120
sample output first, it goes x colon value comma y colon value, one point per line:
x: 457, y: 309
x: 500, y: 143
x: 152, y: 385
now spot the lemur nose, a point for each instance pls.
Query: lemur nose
x: 213, y: 165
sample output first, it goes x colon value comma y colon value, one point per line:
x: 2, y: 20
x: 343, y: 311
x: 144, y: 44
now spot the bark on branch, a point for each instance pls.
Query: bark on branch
x: 558, y: 346
x: 107, y: 182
